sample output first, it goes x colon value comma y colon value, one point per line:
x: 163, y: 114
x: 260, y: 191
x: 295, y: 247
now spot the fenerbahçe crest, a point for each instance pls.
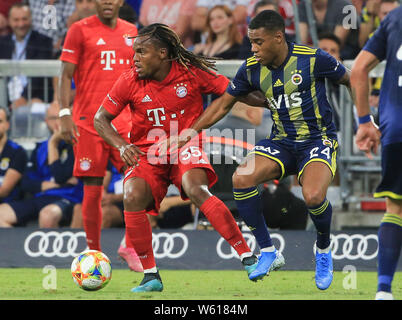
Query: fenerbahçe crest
x: 85, y: 164
x: 296, y: 77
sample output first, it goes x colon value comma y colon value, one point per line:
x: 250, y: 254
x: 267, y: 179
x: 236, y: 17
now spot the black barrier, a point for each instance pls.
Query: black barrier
x: 184, y: 249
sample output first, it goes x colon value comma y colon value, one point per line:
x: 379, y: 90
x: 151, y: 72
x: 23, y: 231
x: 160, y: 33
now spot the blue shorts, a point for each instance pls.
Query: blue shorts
x: 28, y: 209
x: 292, y: 156
x: 391, y: 165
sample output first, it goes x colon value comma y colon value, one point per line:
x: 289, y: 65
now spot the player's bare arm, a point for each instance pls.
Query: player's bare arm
x: 69, y: 130
x: 368, y: 135
x: 129, y: 153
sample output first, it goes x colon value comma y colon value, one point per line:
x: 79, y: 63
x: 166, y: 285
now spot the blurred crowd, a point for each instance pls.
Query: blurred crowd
x: 36, y: 29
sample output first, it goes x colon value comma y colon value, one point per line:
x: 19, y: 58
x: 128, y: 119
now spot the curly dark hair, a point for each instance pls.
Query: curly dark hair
x: 165, y: 37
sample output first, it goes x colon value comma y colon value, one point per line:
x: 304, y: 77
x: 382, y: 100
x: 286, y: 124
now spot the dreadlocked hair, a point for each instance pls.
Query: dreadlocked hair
x: 168, y: 39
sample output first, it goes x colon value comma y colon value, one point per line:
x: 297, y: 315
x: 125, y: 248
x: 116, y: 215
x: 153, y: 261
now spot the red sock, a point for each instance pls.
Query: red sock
x: 222, y: 220
x: 139, y: 235
x: 92, y: 215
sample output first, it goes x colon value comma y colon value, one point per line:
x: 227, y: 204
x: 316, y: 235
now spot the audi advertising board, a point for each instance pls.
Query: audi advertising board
x: 183, y: 249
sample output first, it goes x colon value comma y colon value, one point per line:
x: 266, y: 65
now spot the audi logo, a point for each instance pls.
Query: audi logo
x: 250, y: 242
x: 39, y: 244
x: 353, y: 247
x: 171, y: 242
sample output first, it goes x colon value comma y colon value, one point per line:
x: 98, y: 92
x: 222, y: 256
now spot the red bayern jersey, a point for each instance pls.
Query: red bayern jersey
x: 166, y: 107
x: 100, y: 54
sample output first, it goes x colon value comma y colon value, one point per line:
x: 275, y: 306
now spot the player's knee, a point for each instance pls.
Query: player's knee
x: 242, y: 181
x: 313, y: 198
x: 198, y: 194
x: 134, y: 200
x: 49, y: 217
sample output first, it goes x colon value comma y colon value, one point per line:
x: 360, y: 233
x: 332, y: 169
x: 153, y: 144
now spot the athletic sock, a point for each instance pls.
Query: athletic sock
x: 92, y: 215
x: 389, y: 248
x: 249, y: 204
x: 321, y: 216
x: 139, y: 235
x: 222, y: 220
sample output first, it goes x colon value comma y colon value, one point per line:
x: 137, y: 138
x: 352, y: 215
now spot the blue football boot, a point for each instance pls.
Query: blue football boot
x: 323, y: 270
x: 267, y: 261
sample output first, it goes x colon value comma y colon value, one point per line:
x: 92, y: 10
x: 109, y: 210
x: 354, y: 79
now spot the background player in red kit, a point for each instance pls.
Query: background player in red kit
x: 164, y: 90
x: 96, y: 51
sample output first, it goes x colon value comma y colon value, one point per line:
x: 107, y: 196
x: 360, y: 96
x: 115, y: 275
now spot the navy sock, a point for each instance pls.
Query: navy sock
x: 249, y: 204
x: 321, y: 216
x: 389, y: 248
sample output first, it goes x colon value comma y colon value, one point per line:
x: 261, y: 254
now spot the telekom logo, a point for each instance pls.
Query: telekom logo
x: 108, y: 58
x: 153, y: 115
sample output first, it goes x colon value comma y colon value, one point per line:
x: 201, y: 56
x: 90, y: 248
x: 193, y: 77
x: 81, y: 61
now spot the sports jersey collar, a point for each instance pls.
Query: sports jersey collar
x: 105, y: 26
x: 172, y: 71
x: 290, y: 50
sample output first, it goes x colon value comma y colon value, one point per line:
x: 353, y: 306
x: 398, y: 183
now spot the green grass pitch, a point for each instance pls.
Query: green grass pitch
x: 30, y: 284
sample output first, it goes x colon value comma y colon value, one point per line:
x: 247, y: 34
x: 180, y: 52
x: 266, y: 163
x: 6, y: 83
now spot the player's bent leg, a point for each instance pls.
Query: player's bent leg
x: 315, y: 180
x: 249, y: 204
x: 195, y: 185
x: 138, y: 197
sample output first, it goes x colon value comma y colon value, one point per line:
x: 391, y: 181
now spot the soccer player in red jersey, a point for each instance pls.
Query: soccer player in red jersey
x: 164, y: 90
x: 96, y: 51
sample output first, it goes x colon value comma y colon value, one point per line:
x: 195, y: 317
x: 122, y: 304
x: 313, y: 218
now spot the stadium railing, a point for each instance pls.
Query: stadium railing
x: 353, y: 165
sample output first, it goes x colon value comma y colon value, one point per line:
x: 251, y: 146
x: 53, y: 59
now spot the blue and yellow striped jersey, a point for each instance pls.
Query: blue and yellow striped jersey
x: 295, y: 91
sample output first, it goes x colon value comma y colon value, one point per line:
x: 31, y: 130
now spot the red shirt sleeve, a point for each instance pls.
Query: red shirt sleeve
x: 72, y: 45
x: 119, y: 96
x: 212, y: 84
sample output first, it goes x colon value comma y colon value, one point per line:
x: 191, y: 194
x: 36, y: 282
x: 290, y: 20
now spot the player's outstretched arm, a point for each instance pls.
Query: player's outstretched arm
x: 69, y: 130
x: 129, y: 153
x: 212, y: 114
x: 368, y: 135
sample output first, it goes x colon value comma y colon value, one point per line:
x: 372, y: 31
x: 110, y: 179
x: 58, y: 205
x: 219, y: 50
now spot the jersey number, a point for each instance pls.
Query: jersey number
x: 326, y: 151
x: 190, y: 152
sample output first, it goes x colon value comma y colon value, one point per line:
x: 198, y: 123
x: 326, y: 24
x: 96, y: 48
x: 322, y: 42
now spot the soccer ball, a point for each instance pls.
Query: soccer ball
x: 91, y: 270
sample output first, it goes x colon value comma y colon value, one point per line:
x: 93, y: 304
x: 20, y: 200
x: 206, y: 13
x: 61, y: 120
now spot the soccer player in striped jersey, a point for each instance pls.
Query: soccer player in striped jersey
x: 303, y: 140
x: 386, y: 43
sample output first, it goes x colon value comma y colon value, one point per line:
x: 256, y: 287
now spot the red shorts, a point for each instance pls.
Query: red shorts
x: 160, y: 176
x: 92, y: 154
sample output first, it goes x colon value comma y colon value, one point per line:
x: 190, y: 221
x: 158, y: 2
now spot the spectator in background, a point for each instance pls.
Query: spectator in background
x: 83, y: 9
x: 224, y: 38
x: 24, y: 43
x: 245, y: 49
x: 4, y: 30
x: 369, y: 20
x: 372, y: 14
x: 49, y: 17
x: 177, y: 14
x: 330, y: 17
x: 285, y: 9
x: 51, y: 190
x: 13, y: 159
x: 239, y: 9
x: 5, y: 6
